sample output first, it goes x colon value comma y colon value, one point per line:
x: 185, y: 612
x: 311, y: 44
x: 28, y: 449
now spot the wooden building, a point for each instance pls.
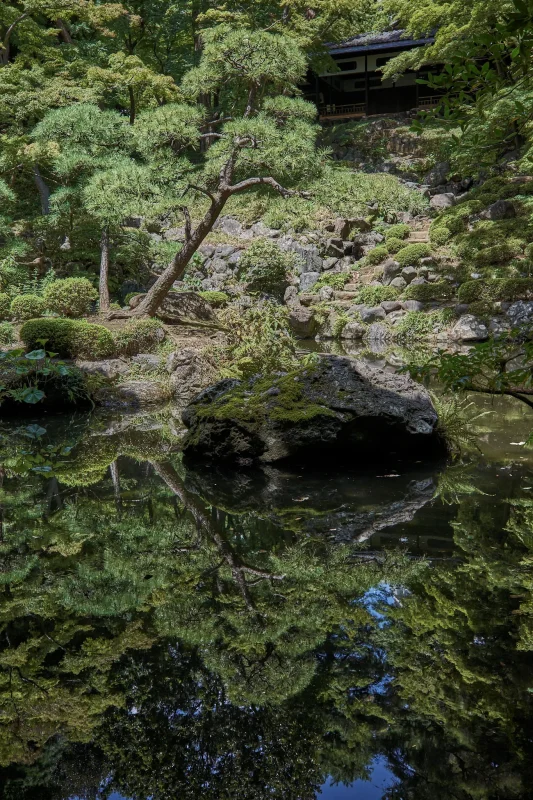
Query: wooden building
x: 357, y: 89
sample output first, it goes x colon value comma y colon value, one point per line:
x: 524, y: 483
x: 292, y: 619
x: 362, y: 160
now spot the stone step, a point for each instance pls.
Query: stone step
x: 351, y: 287
x: 346, y: 295
x: 418, y: 236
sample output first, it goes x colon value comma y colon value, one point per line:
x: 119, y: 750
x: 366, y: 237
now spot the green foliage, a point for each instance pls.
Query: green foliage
x: 377, y: 255
x: 374, y: 295
x: 70, y: 297
x: 416, y: 325
x: 412, y: 254
x: 7, y: 333
x: 28, y: 377
x: 215, y: 299
x: 68, y: 338
x: 336, y: 280
x: 393, y: 245
x: 27, y: 306
x: 426, y: 292
x: 5, y: 305
x: 264, y: 266
x: 492, y: 289
x: 339, y: 325
x: 439, y: 234
x: 139, y: 336
x: 400, y: 231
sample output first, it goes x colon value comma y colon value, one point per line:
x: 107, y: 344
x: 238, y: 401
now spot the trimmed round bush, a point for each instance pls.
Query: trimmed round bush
x: 68, y: 338
x: 70, y: 297
x: 264, y: 266
x: 439, y: 234
x: 377, y: 255
x: 27, y: 306
x: 505, y: 289
x: 393, y: 245
x: 400, y: 231
x: 426, y: 292
x: 139, y: 336
x: 215, y: 299
x: 7, y: 333
x: 5, y: 305
x: 413, y: 254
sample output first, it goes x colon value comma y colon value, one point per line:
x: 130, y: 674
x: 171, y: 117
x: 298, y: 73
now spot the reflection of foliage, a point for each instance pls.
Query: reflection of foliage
x: 457, y: 423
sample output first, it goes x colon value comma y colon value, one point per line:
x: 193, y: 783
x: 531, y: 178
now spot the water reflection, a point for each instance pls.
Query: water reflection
x: 174, y: 633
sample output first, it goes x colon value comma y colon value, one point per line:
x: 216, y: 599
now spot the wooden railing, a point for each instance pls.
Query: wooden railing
x: 353, y: 109
x: 429, y: 102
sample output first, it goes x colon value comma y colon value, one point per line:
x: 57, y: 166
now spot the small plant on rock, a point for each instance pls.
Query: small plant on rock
x: 374, y: 295
x: 215, y: 299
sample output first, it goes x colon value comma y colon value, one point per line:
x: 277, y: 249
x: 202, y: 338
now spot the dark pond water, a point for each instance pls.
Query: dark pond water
x: 354, y: 634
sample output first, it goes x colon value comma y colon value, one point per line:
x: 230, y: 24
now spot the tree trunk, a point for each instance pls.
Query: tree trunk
x: 44, y: 191
x: 132, y: 104
x: 104, y: 270
x: 64, y: 32
x: 177, y: 266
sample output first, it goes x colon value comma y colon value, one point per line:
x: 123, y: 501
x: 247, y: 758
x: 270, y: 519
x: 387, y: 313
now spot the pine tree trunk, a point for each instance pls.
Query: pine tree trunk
x: 104, y: 271
x: 44, y: 191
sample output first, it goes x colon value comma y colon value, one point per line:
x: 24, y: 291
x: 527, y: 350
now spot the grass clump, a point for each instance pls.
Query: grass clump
x: 412, y: 254
x: 215, y: 299
x: 7, y: 333
x: 139, y: 336
x: 394, y: 245
x: 374, y: 295
x: 377, y: 255
x: 68, y: 338
x: 5, y: 305
x: 27, y: 306
x: 265, y: 266
x: 419, y: 324
x: 400, y: 231
x: 70, y: 297
x: 336, y: 280
x: 427, y: 292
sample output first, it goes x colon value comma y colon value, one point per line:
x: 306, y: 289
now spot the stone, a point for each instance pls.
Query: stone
x: 340, y: 406
x: 190, y: 373
x: 302, y: 322
x: 520, y: 313
x: 460, y: 309
x: 432, y: 277
x: 343, y: 228
x: 427, y: 262
x: 229, y: 225
x: 110, y: 368
x: 234, y: 258
x: 501, y: 209
x: 395, y: 316
x: 418, y: 281
x: 330, y: 262
x: 372, y: 314
x: 133, y: 395
x: 347, y: 248
x: 469, y: 328
x: 412, y: 305
x: 445, y: 200
x: 335, y: 247
x: 326, y: 293
x: 207, y: 250
x: 309, y: 254
x: 308, y: 280
x: 148, y: 362
x: 260, y: 229
x: 391, y: 269
x: 499, y: 327
x: 398, y: 283
x: 353, y: 330
x: 178, y: 235
x: 390, y: 305
x: 218, y: 265
x: 224, y: 250
x: 408, y: 274
x: 438, y: 174
x: 291, y: 295
x: 180, y: 305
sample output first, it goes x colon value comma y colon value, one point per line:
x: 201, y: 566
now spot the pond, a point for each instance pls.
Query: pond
x: 338, y: 633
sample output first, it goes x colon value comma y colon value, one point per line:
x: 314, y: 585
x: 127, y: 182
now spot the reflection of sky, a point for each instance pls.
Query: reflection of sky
x: 380, y: 780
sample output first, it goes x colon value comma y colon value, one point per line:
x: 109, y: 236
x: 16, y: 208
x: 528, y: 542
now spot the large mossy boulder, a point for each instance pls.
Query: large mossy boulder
x: 339, y: 407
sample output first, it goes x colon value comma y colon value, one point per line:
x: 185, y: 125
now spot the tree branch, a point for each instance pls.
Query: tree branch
x: 268, y: 181
x: 185, y: 211
x: 200, y: 189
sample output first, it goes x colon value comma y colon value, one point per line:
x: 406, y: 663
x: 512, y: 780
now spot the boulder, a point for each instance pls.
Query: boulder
x: 391, y: 305
x: 469, y: 328
x: 335, y: 248
x: 353, y: 330
x: 412, y: 305
x: 445, y: 200
x: 229, y: 225
x: 398, y: 283
x: 501, y: 209
x: 377, y: 336
x: 180, y: 305
x: 391, y: 269
x: 110, y: 368
x: 302, y: 322
x: 372, y: 314
x: 133, y: 395
x: 291, y: 296
x: 190, y: 373
x: 146, y: 362
x: 437, y: 175
x: 308, y: 280
x: 418, y: 281
x: 330, y: 262
x: 339, y: 406
x: 326, y: 293
x: 520, y: 313
x: 408, y: 274
x: 343, y: 228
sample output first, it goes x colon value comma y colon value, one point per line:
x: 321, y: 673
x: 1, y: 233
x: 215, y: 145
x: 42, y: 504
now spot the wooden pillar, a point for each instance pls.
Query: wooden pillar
x: 416, y: 85
x: 366, y: 84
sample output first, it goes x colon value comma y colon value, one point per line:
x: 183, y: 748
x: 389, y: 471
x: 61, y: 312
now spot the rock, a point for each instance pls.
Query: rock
x: 348, y: 248
x: 398, y: 283
x: 353, y: 330
x: 178, y: 235
x: 110, y: 368
x: 291, y: 296
x: 326, y: 293
x: 308, y: 280
x: 501, y: 209
x: 395, y: 316
x: 412, y: 305
x: 260, y: 229
x: 469, y: 328
x: 391, y: 269
x: 378, y: 334
x: 229, y: 225
x: 520, y: 313
x: 438, y: 174
x: 133, y: 395
x: 190, y: 373
x: 390, y: 305
x: 207, y: 250
x: 499, y: 327
x: 372, y: 314
x: 427, y: 262
x: 335, y: 248
x: 148, y: 362
x: 225, y: 250
x: 418, y: 281
x: 180, y: 305
x: 408, y: 274
x: 309, y: 254
x: 218, y: 265
x: 343, y: 228
x: 330, y: 262
x: 445, y: 200
x: 302, y: 322
x: 432, y: 277
x: 340, y: 405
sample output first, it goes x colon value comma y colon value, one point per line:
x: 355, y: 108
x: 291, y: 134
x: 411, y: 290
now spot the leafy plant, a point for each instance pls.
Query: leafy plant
x: 5, y: 303
x: 264, y: 266
x: 139, y: 336
x: 400, y: 231
x: 25, y: 377
x: 70, y: 297
x: 374, y: 295
x: 426, y: 292
x: 27, y: 306
x: 7, y: 333
x: 336, y: 280
x: 377, y: 255
x: 412, y: 254
x: 69, y: 338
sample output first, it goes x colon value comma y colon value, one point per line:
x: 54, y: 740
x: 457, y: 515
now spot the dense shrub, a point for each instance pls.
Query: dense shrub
x: 336, y: 280
x: 426, y: 292
x: 27, y: 306
x: 400, y: 231
x: 377, y: 255
x: 139, y: 336
x: 215, y: 299
x: 70, y: 297
x: 5, y: 303
x: 497, y: 254
x: 374, y: 295
x: 505, y: 289
x: 264, y: 266
x: 393, y: 245
x: 439, y: 234
x: 68, y: 338
x: 412, y: 254
x: 416, y: 325
x: 7, y: 333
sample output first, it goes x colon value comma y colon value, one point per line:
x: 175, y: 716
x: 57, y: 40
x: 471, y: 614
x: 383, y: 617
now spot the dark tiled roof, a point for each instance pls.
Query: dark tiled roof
x: 384, y: 40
